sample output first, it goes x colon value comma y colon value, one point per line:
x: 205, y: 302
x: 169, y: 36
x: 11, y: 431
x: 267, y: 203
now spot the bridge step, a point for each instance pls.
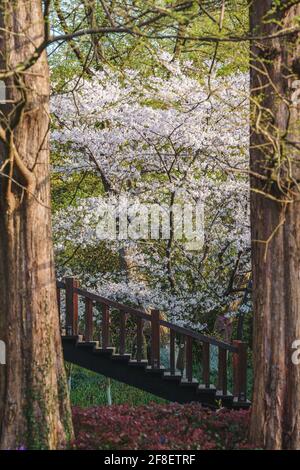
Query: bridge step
x: 158, y: 381
x: 73, y: 339
x: 88, y: 344
x: 104, y: 352
x: 124, y: 358
x: 203, y: 390
x: 226, y: 400
x: 157, y: 371
x: 240, y: 405
x: 138, y: 364
x: 173, y: 377
x: 194, y: 384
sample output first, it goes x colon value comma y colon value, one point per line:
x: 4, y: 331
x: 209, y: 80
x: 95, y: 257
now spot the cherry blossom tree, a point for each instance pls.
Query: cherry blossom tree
x: 163, y: 140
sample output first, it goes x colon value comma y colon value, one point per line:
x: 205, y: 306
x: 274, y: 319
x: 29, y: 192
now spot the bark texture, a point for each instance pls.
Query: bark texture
x: 34, y: 402
x: 275, y: 220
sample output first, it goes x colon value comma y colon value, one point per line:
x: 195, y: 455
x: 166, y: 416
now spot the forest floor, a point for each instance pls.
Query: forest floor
x: 159, y: 426
x: 137, y: 420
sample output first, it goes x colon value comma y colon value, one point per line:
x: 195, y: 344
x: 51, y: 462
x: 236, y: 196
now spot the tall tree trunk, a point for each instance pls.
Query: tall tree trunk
x: 34, y: 402
x: 275, y: 219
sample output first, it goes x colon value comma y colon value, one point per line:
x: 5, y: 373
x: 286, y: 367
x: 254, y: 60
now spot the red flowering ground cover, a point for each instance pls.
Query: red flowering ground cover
x: 156, y: 426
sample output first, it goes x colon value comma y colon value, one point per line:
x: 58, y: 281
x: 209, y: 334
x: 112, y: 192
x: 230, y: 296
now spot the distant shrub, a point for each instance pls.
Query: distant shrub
x: 89, y: 389
x: 159, y: 426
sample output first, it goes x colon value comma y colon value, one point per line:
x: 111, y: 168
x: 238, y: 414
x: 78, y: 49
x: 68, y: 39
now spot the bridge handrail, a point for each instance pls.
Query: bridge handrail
x: 237, y: 348
x: 146, y: 316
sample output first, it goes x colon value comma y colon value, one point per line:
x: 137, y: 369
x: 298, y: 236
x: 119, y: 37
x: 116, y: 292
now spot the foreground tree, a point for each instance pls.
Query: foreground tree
x: 34, y: 403
x: 34, y: 407
x: 275, y: 222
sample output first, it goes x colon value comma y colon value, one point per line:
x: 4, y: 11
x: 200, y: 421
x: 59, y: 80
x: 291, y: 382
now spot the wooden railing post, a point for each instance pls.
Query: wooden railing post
x: 240, y: 371
x: 189, y: 358
x: 206, y: 364
x: 105, y: 326
x: 172, y: 352
x: 71, y: 306
x: 222, y: 371
x: 122, y: 346
x: 139, y: 339
x: 89, y: 327
x: 155, y: 339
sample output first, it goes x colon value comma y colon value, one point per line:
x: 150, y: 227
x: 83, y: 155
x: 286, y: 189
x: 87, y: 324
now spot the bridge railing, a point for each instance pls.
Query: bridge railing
x: 237, y: 349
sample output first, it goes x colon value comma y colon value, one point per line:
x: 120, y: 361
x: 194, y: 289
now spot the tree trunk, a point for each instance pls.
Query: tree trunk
x: 34, y: 402
x: 275, y: 220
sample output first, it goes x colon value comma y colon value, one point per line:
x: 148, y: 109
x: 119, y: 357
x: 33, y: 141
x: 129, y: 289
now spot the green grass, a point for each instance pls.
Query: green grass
x: 89, y: 389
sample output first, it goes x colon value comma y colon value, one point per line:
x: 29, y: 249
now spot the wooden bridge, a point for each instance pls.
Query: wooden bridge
x: 87, y: 342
